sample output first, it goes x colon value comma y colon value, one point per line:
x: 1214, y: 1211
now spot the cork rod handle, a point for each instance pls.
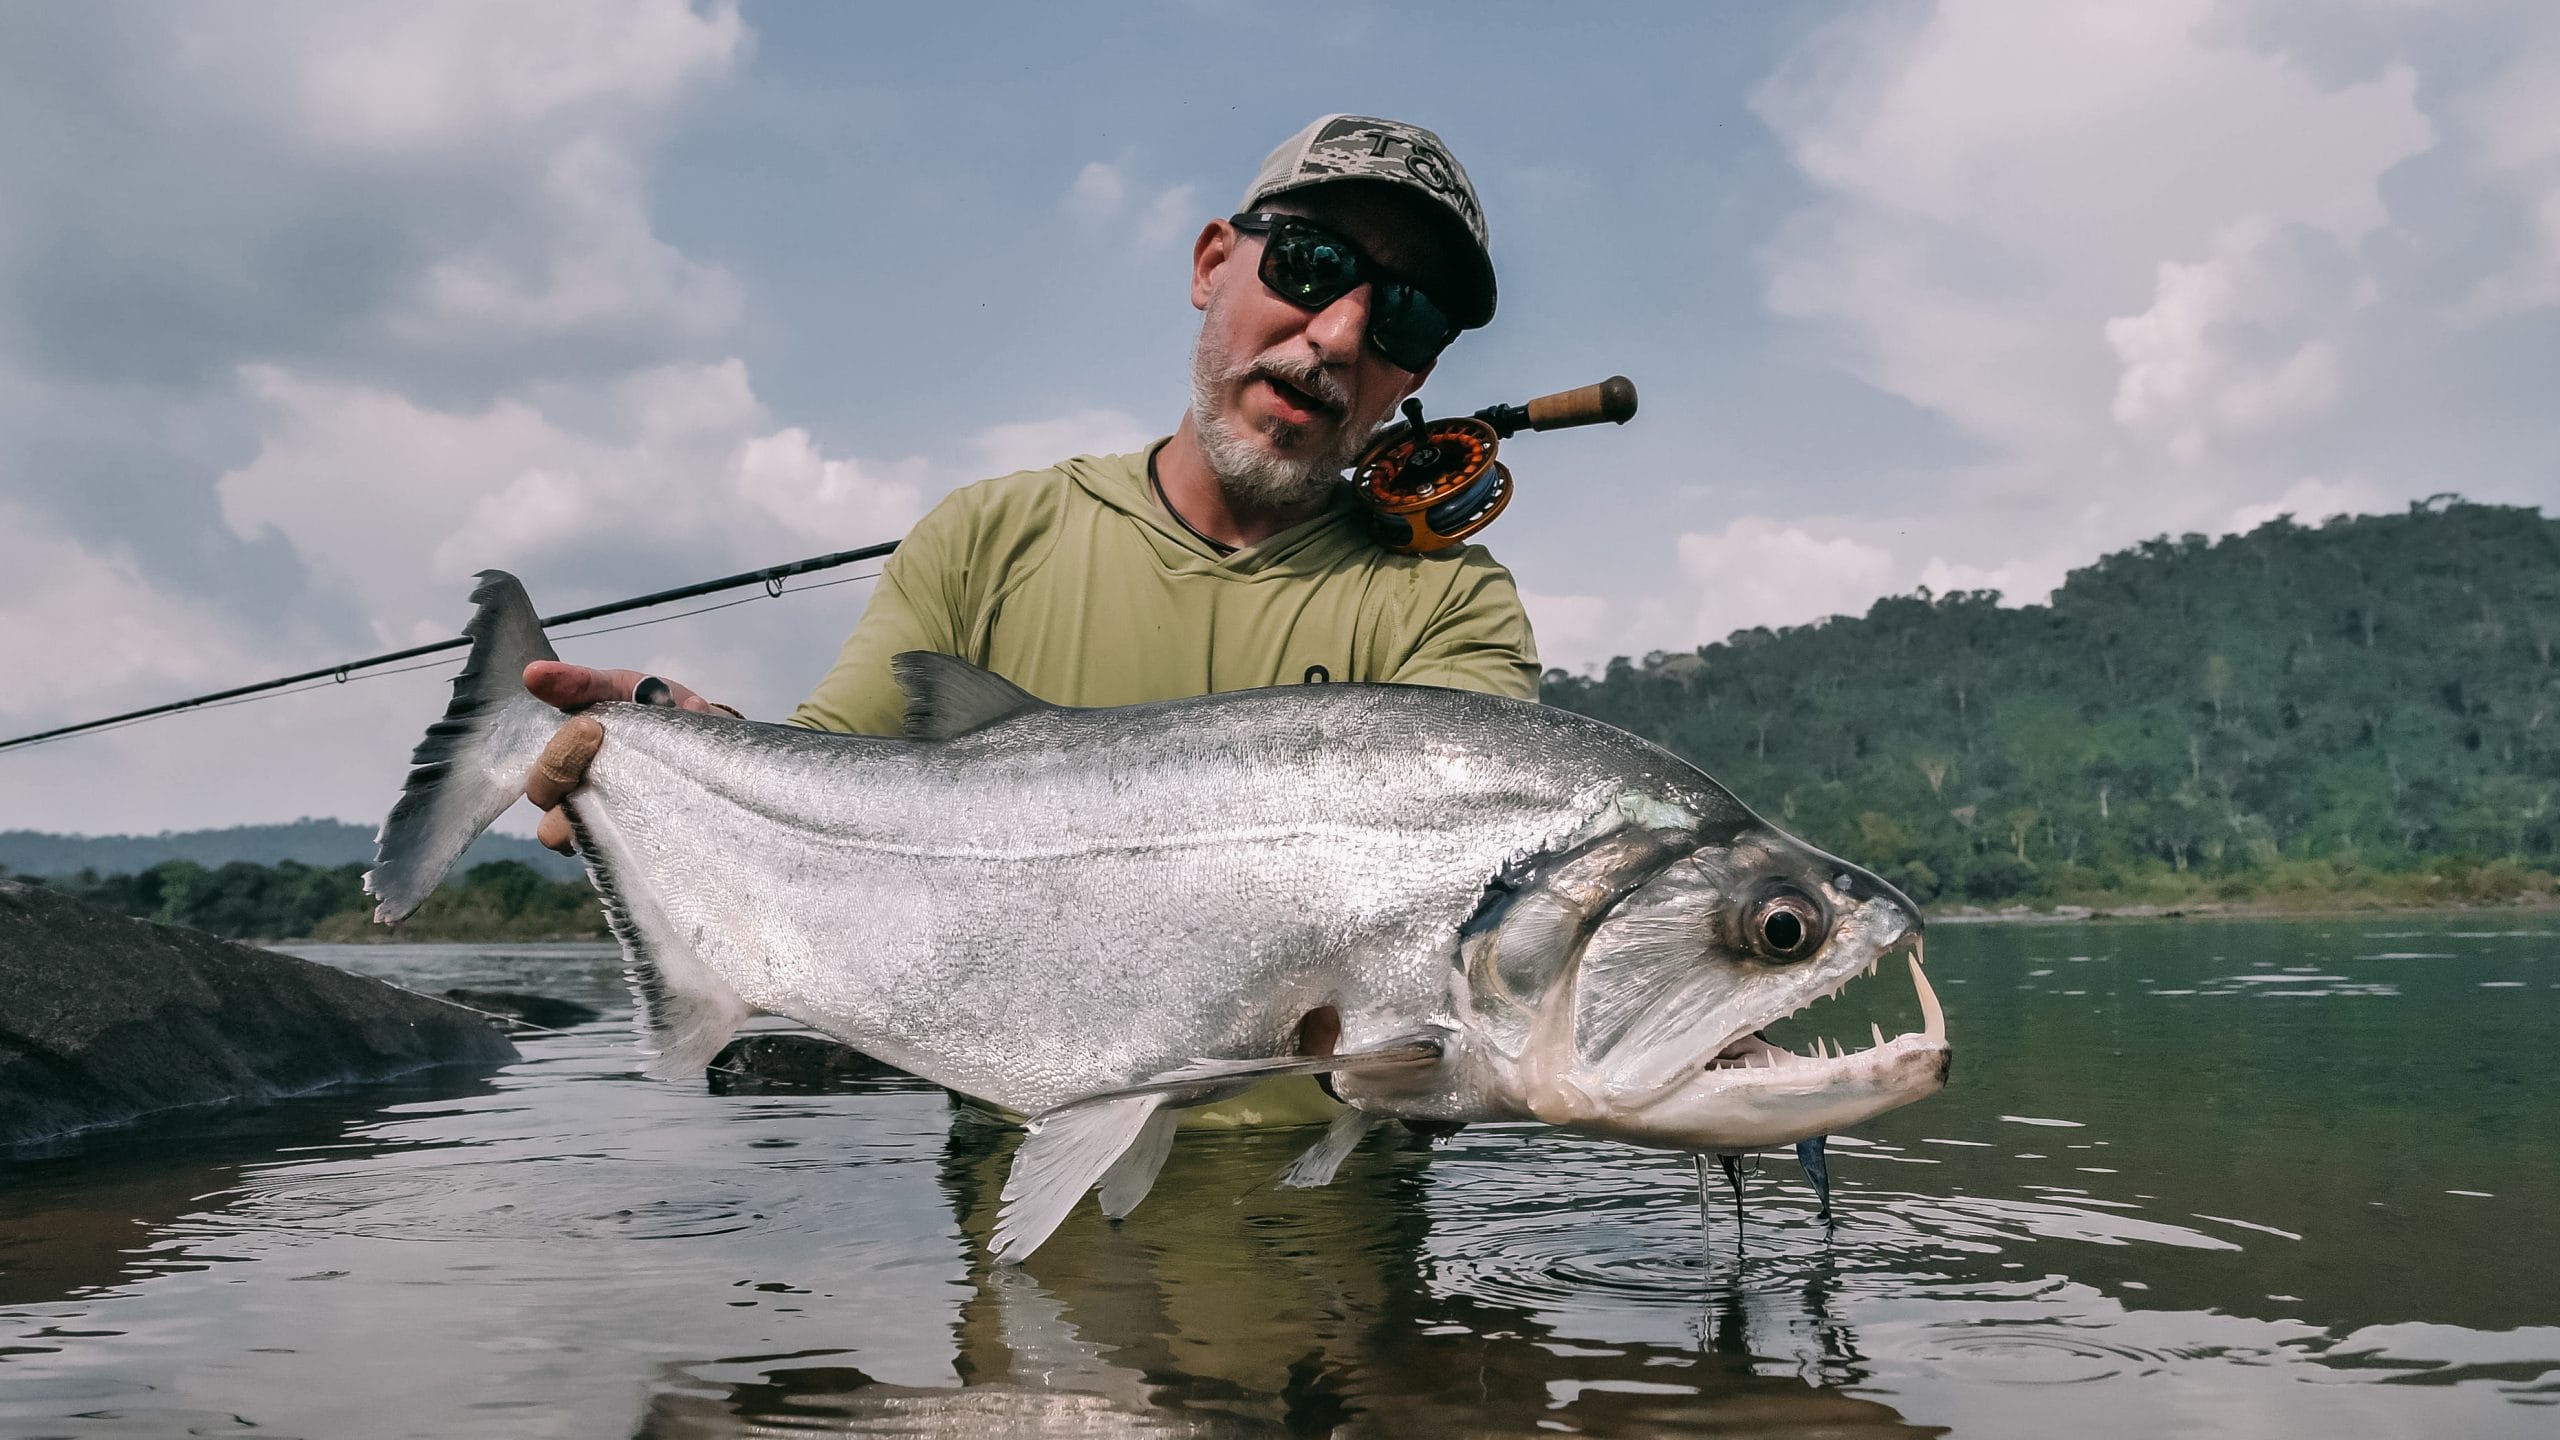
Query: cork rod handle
x: 1613, y: 399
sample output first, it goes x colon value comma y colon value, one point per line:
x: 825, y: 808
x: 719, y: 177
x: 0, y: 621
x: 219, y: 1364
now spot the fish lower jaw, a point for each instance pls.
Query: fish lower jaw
x: 1750, y: 1114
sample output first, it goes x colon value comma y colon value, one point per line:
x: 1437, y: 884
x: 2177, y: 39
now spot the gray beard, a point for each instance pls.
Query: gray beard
x: 1254, y: 477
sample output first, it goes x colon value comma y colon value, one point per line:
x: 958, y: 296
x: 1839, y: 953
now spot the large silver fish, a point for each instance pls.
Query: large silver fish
x: 1458, y: 907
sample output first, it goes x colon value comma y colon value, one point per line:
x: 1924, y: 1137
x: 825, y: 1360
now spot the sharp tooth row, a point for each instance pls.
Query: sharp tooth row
x: 1827, y: 1049
x: 1934, y: 1018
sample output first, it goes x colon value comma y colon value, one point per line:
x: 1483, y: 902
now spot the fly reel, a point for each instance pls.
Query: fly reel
x: 1432, y: 483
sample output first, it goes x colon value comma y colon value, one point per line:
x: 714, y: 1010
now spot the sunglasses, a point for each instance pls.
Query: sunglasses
x: 1311, y: 267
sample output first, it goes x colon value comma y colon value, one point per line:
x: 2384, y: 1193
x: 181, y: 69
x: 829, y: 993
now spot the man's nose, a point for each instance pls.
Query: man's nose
x: 1338, y: 329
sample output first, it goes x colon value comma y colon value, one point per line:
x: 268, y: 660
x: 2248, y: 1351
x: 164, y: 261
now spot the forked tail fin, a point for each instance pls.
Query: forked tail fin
x: 472, y: 764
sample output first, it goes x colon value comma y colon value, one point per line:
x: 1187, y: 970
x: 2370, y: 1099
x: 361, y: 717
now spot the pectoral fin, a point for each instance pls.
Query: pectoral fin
x: 1316, y: 1167
x: 1202, y: 1077
x: 1066, y: 1151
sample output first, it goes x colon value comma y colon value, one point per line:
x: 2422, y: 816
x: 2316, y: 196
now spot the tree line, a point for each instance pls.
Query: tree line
x: 2364, y: 706
x: 243, y: 900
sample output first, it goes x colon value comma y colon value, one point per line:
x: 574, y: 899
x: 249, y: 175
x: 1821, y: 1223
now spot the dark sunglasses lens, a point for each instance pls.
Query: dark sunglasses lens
x: 1407, y: 328
x: 1308, y: 267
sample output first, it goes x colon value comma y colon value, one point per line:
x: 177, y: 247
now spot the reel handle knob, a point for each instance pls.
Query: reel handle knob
x: 1613, y: 400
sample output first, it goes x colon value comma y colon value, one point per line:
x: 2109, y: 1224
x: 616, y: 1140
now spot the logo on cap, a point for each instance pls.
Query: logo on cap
x: 1356, y: 146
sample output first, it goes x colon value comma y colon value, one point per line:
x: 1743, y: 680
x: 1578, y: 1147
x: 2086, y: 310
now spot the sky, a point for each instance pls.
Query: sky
x: 310, y: 311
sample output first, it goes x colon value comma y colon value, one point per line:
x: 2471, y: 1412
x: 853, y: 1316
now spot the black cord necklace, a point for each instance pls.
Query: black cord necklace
x: 1156, y: 484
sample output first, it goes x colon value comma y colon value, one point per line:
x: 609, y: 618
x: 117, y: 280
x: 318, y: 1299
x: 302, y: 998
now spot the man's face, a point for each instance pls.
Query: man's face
x: 1284, y: 398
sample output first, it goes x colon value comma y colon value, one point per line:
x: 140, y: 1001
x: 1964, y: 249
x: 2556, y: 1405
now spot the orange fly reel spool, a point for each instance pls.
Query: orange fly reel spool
x: 1432, y: 484
x: 1429, y: 484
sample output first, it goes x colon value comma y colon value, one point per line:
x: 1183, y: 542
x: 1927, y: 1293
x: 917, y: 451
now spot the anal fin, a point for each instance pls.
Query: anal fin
x: 1066, y: 1151
x: 1134, y: 1173
x: 1817, y: 1168
x: 1317, y: 1166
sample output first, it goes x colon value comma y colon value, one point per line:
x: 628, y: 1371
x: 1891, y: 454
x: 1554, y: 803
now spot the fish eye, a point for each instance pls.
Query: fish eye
x: 1786, y: 926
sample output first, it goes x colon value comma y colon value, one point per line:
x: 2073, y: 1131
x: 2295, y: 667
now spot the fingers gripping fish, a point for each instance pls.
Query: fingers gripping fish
x: 1099, y: 917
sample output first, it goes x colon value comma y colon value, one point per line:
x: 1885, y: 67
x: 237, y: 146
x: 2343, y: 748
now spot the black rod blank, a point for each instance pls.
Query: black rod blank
x: 771, y: 577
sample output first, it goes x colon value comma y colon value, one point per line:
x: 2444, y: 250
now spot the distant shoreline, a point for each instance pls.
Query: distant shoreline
x: 2359, y: 907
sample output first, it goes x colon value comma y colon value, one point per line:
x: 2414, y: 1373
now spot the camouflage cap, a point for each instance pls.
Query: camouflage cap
x: 1363, y: 147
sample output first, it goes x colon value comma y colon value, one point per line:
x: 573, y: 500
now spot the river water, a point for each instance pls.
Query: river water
x: 2253, y: 1178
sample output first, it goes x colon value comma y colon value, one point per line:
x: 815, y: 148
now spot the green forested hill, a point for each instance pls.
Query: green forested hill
x: 2296, y: 709
x: 324, y: 843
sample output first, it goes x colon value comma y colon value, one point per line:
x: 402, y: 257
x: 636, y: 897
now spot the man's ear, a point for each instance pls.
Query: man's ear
x: 1216, y: 246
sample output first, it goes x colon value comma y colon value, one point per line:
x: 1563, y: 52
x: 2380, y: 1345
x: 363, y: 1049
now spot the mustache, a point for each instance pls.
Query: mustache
x: 1318, y: 383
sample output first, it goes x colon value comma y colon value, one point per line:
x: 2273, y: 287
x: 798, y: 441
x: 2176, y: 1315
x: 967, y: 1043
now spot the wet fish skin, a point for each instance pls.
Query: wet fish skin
x: 1074, y: 901
x: 1094, y: 916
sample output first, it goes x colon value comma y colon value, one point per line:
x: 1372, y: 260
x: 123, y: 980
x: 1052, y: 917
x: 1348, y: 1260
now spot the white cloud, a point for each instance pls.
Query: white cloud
x: 2515, y: 120
x: 582, y: 259
x: 421, y: 78
x: 85, y: 628
x: 1038, y: 444
x: 90, y: 633
x: 1573, y: 631
x: 2119, y: 250
x: 2310, y: 501
x: 2185, y: 381
x: 2003, y: 171
x: 527, y: 122
x: 396, y: 502
x: 1106, y: 198
x: 1174, y: 215
x: 2026, y: 581
x: 1758, y: 572
x: 670, y: 474
x: 1099, y: 195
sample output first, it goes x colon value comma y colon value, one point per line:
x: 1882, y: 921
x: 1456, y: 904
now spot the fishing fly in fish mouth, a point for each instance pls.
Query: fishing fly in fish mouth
x: 1100, y: 917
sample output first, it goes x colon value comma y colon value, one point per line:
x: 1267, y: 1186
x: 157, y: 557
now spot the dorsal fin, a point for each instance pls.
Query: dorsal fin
x: 948, y: 696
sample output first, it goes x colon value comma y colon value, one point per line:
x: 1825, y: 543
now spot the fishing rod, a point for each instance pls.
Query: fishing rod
x: 771, y: 577
x: 1428, y: 485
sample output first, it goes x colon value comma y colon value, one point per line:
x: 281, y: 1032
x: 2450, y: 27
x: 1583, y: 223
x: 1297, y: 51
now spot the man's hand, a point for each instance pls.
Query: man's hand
x: 563, y: 766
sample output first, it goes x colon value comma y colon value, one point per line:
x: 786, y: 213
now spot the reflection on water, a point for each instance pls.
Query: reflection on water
x: 2246, y: 1178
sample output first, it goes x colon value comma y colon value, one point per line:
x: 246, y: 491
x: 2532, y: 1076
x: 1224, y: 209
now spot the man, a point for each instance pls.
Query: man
x: 1229, y: 555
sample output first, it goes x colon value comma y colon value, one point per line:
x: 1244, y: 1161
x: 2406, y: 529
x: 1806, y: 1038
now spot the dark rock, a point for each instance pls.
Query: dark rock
x: 540, y: 1011
x: 792, y: 1065
x: 105, y: 1019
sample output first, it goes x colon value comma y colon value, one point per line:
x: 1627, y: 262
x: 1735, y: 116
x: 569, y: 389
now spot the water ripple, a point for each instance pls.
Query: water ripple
x: 2043, y: 1352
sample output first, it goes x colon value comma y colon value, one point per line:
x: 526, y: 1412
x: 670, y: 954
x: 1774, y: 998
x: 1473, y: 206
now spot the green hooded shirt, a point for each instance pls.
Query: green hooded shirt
x: 1076, y: 585
x: 1073, y: 583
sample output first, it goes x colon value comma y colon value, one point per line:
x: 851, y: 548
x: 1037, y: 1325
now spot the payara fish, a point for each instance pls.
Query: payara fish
x: 1455, y: 907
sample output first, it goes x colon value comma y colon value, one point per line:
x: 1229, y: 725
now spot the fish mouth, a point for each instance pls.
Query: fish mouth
x: 1751, y: 1049
x: 1752, y: 1094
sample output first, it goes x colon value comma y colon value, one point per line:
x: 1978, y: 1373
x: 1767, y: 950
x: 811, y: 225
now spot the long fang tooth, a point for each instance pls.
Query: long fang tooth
x: 1934, y: 1018
x: 1876, y: 1030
